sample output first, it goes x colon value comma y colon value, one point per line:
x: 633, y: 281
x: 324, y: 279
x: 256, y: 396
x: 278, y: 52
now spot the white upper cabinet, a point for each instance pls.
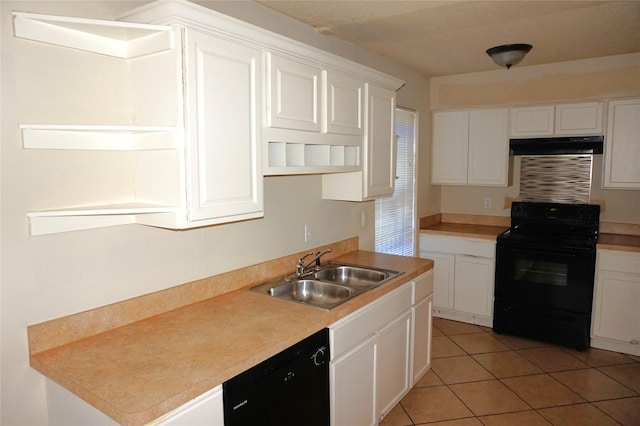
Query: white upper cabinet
x: 379, y: 146
x: 344, y: 99
x: 470, y: 147
x: 225, y: 127
x: 532, y: 121
x: 293, y: 95
x: 377, y: 177
x: 223, y: 103
x: 580, y: 118
x: 202, y: 166
x: 622, y: 145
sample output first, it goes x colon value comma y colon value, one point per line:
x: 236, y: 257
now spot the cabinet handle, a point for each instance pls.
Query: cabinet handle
x: 634, y: 341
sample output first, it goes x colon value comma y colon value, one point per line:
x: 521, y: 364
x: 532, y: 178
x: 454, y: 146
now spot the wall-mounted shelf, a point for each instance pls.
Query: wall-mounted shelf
x: 289, y: 158
x: 120, y: 39
x: 110, y: 138
x: 88, y: 217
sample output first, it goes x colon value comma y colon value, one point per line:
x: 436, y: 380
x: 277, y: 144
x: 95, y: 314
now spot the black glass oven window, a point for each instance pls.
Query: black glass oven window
x: 541, y: 272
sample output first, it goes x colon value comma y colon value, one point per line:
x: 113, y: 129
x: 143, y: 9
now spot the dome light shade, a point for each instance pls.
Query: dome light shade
x: 508, y: 55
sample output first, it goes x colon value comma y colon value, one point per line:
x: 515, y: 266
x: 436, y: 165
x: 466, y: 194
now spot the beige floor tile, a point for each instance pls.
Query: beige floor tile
x: 435, y: 331
x: 627, y: 374
x: 506, y: 364
x: 592, y: 385
x: 449, y: 327
x: 524, y: 418
x: 599, y: 358
x: 552, y: 359
x: 488, y: 397
x: 461, y: 422
x: 577, y: 415
x: 433, y: 404
x: 442, y: 346
x: 626, y: 411
x: 429, y: 379
x: 459, y: 369
x: 396, y: 417
x: 515, y: 342
x: 476, y: 343
x: 542, y: 390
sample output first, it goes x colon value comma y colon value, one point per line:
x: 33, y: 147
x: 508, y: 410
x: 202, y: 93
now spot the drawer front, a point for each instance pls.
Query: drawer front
x: 458, y: 245
x: 620, y: 261
x: 422, y: 287
x: 351, y: 330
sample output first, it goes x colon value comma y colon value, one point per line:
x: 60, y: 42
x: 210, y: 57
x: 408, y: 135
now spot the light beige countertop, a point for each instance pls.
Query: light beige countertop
x: 613, y: 236
x: 619, y: 242
x: 140, y: 371
x: 488, y: 232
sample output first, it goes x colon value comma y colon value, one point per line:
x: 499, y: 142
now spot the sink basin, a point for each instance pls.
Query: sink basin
x: 333, y: 284
x: 352, y: 275
x: 314, y: 292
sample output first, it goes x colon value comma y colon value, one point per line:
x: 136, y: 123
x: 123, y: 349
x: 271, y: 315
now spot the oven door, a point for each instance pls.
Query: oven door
x: 551, y: 279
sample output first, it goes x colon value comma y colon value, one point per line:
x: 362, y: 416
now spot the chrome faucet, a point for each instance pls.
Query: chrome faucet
x: 302, y: 269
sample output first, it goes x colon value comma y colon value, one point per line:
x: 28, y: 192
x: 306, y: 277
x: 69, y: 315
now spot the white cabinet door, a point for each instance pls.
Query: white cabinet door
x: 532, y: 121
x: 582, y: 118
x: 344, y: 111
x: 293, y: 95
x: 450, y: 147
x: 443, y: 275
x: 470, y: 147
x: 206, y: 410
x: 379, y: 166
x: 224, y: 122
x: 352, y: 387
x: 617, y: 307
x: 474, y: 284
x: 393, y: 366
x: 488, y: 161
x: 422, y: 326
x: 622, y: 145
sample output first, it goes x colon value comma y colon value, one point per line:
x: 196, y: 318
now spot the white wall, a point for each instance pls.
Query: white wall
x: 49, y: 276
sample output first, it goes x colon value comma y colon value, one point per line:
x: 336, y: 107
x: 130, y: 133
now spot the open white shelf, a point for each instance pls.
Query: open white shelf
x: 111, y: 138
x: 88, y: 217
x: 293, y: 156
x: 120, y: 39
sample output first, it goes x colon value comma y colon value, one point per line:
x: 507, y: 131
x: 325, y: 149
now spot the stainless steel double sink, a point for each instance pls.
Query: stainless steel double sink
x: 328, y: 286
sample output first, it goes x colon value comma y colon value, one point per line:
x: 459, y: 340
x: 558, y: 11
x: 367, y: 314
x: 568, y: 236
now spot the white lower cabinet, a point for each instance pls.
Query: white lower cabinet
x: 352, y: 381
x: 393, y: 364
x: 615, y: 324
x: 67, y: 409
x: 378, y: 353
x: 422, y: 321
x: 464, y: 271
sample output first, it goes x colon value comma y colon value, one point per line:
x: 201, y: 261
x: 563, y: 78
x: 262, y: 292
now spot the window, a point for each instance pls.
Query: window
x: 395, y: 215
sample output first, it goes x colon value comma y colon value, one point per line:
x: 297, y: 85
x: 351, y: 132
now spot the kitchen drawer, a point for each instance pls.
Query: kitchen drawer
x: 458, y: 245
x: 422, y: 287
x: 620, y: 261
x: 351, y: 330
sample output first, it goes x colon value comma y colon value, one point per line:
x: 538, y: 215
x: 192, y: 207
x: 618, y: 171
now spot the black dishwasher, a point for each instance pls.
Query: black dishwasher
x: 290, y: 388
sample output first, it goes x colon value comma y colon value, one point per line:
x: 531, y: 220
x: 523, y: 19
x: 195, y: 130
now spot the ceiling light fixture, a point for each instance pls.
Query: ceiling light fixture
x: 508, y: 55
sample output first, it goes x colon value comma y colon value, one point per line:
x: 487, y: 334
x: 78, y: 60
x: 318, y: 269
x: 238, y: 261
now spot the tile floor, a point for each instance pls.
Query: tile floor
x: 481, y: 378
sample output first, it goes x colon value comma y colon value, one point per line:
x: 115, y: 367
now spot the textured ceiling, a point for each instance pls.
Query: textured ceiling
x: 451, y: 37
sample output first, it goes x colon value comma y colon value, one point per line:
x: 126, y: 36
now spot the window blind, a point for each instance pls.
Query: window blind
x: 395, y: 215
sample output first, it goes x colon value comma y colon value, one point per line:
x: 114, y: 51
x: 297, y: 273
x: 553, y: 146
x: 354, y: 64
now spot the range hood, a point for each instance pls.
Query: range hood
x: 557, y: 145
